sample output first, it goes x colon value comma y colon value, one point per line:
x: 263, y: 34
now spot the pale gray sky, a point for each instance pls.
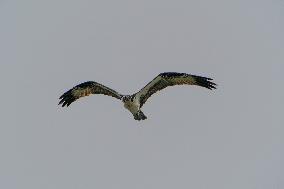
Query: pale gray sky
x: 232, y: 137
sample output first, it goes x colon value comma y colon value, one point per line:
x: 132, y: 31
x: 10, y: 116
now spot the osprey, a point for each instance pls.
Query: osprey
x: 135, y: 101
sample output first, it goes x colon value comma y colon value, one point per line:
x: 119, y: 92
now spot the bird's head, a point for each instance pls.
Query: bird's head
x: 126, y: 98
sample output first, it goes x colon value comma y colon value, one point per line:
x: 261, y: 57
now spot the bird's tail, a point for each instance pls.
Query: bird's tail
x: 139, y: 116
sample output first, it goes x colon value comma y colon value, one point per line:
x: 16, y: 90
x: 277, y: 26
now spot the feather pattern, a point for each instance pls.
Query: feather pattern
x: 85, y: 89
x: 167, y: 79
x: 134, y: 102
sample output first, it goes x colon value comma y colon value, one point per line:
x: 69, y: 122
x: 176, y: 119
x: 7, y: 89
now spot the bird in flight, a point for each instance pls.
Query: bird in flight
x: 134, y: 102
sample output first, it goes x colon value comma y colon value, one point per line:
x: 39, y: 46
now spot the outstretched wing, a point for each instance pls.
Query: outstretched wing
x: 166, y: 79
x: 85, y: 89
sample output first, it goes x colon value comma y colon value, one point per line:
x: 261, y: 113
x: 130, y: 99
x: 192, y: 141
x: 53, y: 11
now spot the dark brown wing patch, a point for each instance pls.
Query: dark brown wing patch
x: 85, y: 89
x: 166, y: 79
x: 184, y: 78
x: 159, y: 85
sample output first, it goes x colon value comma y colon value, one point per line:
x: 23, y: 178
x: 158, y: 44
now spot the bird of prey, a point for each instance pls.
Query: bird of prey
x: 135, y: 101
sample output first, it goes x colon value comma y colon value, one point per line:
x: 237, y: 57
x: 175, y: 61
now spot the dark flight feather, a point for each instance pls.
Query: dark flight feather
x: 85, y: 89
x: 167, y: 79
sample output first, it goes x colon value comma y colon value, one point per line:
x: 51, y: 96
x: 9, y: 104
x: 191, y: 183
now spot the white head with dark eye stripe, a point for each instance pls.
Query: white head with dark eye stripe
x: 126, y: 98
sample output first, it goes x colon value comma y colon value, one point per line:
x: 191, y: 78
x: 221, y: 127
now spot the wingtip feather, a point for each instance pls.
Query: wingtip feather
x: 205, y: 82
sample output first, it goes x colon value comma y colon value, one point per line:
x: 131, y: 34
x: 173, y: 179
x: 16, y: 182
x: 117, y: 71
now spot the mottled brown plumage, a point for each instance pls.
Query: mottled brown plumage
x: 135, y: 102
x: 86, y: 89
x: 167, y: 79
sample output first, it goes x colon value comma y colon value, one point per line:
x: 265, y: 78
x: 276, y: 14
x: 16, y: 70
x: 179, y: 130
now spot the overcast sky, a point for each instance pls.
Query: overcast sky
x: 232, y: 137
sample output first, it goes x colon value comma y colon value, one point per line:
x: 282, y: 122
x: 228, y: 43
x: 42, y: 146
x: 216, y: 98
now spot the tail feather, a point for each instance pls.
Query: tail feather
x: 139, y: 116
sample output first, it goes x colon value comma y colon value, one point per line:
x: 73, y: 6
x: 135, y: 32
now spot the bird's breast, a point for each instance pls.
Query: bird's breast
x: 131, y: 106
